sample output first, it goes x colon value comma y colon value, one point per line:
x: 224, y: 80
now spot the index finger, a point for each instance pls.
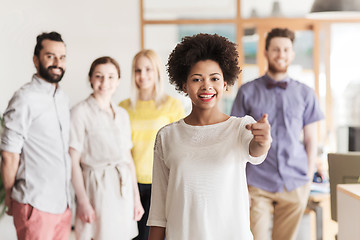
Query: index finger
x: 264, y: 118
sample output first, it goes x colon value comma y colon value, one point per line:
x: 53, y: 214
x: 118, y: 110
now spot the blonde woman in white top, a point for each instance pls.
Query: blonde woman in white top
x: 104, y: 180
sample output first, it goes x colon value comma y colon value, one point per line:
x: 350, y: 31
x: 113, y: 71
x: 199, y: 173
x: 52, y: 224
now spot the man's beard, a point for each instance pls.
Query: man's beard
x: 52, y: 78
x: 273, y: 69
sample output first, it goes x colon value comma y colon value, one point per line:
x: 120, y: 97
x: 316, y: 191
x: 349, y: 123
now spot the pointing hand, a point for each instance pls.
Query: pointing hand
x: 261, y: 130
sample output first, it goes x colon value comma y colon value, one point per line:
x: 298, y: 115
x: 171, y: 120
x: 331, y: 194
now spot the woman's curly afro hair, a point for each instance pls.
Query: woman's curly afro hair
x: 200, y: 47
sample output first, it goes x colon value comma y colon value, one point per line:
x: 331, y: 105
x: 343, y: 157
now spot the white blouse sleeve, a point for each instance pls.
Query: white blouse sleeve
x: 157, y: 215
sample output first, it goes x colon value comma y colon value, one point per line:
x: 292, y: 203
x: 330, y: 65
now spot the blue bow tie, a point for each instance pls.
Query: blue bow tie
x: 281, y: 84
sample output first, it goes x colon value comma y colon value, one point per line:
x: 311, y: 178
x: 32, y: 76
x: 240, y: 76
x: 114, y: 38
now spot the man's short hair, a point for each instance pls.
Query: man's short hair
x: 279, y: 32
x: 54, y: 36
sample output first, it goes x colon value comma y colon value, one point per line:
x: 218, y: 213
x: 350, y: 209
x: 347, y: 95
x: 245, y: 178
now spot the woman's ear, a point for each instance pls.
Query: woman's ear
x: 118, y: 82
x: 184, y: 88
x: 91, y: 85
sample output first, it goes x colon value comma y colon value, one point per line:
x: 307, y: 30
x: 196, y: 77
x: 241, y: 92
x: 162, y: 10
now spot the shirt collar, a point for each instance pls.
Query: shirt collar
x: 44, y: 85
x: 92, y: 101
x: 269, y: 79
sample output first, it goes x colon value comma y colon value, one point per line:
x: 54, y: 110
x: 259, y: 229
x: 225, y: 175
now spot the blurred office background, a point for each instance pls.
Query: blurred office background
x: 327, y: 47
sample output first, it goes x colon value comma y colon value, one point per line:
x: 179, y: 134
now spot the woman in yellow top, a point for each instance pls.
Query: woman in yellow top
x: 149, y: 110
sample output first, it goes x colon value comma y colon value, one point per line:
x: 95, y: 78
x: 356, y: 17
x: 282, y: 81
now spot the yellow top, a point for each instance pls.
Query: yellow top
x: 146, y: 120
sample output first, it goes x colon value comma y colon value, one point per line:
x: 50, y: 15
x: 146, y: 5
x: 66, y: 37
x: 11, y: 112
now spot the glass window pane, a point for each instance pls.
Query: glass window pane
x: 225, y: 30
x: 250, y: 69
x: 185, y: 9
x: 275, y: 8
x: 164, y: 38
x: 302, y: 67
x: 250, y: 43
x: 303, y: 47
x: 344, y: 73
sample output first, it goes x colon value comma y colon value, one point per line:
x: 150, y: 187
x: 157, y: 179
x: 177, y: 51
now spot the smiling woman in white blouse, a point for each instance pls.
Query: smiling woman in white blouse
x: 103, y: 176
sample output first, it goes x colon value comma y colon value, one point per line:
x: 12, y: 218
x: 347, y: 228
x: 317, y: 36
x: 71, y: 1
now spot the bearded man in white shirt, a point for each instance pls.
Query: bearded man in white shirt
x: 36, y: 167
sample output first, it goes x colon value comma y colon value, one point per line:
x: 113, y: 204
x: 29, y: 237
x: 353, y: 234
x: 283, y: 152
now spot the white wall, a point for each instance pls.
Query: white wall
x: 90, y: 29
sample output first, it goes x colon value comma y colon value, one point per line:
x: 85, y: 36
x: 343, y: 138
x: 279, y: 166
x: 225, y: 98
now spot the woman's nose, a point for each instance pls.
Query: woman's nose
x: 103, y: 79
x: 207, y: 86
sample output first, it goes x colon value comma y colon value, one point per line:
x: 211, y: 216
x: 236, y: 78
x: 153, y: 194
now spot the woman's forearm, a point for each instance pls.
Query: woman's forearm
x: 157, y: 233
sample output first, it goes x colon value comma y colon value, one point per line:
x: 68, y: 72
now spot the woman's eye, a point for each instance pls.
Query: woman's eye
x: 215, y: 79
x: 137, y: 70
x: 196, y: 80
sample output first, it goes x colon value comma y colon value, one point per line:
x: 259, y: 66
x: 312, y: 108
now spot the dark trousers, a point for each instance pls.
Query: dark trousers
x: 145, y: 196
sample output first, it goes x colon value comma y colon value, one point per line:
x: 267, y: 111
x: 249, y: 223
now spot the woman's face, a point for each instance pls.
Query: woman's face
x: 205, y: 85
x: 104, y: 80
x: 145, y: 74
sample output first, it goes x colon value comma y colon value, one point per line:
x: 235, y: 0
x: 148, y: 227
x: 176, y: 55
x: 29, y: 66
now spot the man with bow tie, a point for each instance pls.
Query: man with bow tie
x: 280, y: 186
